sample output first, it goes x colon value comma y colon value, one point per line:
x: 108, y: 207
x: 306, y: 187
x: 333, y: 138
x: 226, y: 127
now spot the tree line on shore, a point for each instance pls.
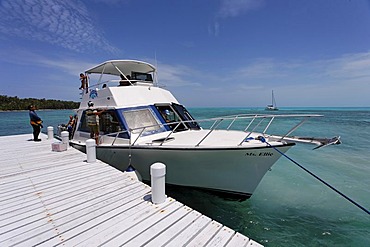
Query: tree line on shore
x: 8, y: 103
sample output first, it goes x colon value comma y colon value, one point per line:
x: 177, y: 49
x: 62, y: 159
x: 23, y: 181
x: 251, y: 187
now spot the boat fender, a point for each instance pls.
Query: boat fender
x: 133, y: 173
x: 261, y: 138
x: 248, y: 139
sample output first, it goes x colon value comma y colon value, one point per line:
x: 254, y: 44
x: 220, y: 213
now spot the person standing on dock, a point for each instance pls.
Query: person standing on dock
x: 71, y: 125
x: 92, y: 116
x: 36, y: 122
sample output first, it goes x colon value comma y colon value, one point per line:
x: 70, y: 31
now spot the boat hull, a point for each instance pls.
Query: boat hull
x: 235, y: 171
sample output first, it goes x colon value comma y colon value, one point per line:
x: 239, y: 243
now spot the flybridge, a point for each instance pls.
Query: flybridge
x: 123, y: 83
x: 130, y: 71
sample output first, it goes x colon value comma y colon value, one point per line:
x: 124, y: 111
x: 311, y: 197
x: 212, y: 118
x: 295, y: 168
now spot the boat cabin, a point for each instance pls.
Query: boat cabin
x: 129, y: 102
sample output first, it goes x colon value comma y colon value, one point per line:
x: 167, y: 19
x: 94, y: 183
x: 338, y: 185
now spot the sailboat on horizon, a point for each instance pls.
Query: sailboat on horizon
x: 273, y: 106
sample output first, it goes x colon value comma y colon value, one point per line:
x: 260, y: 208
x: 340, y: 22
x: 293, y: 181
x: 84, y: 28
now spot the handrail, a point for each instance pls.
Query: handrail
x: 250, y: 132
x: 141, y: 132
x: 250, y: 123
x: 132, y: 83
x: 216, y: 123
x: 168, y: 136
x: 232, y: 122
x: 294, y: 128
x: 268, y: 125
x: 209, y: 132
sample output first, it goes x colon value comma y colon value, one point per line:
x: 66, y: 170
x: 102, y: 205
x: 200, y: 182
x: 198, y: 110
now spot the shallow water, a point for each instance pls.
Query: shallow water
x: 289, y: 207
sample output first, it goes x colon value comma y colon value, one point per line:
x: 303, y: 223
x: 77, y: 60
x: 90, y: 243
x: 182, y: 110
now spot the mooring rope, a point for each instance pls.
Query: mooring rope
x: 262, y: 139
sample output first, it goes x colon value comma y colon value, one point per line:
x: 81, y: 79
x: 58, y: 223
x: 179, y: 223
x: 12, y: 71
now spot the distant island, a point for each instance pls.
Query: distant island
x: 15, y: 104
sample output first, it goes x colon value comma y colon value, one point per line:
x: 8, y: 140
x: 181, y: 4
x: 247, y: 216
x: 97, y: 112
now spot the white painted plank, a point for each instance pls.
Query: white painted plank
x: 190, y: 232
x: 35, y: 229
x: 78, y: 205
x: 47, y: 182
x: 122, y: 224
x: 56, y: 198
x: 72, y: 226
x: 144, y: 224
x: 175, y: 229
x: 60, y: 193
x: 156, y: 229
x: 238, y: 240
x: 221, y: 238
x: 254, y: 244
x: 205, y: 235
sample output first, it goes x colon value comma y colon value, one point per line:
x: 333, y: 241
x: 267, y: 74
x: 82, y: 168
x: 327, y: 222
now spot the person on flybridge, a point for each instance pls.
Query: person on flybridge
x: 84, y: 83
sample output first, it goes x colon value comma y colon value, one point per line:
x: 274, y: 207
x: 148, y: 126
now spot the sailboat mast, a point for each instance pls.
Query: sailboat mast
x: 273, y: 102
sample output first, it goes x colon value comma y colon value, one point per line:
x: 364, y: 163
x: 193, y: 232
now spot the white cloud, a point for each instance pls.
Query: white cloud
x: 347, y: 73
x: 349, y: 67
x: 110, y: 2
x: 177, y: 75
x: 341, y: 81
x: 263, y: 68
x: 65, y: 23
x: 233, y: 8
x: 67, y: 65
x: 214, y: 29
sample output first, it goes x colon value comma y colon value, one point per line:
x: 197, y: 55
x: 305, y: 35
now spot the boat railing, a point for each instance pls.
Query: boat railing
x: 116, y: 83
x: 254, y: 123
x: 251, y: 126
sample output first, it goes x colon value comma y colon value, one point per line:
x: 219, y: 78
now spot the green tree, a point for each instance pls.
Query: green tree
x: 8, y: 103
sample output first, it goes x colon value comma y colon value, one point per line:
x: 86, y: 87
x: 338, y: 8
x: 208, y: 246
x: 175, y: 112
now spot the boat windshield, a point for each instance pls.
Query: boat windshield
x: 185, y: 115
x: 175, y: 114
x: 141, y: 76
x: 139, y: 120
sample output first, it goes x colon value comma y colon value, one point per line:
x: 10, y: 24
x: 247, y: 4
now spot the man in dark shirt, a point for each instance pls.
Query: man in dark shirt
x: 36, y: 123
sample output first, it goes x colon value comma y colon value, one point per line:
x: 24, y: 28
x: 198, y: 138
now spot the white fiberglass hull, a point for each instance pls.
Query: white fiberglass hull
x: 231, y: 170
x: 140, y: 124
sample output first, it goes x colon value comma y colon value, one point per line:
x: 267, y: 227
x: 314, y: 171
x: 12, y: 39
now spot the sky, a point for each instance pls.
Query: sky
x: 209, y: 53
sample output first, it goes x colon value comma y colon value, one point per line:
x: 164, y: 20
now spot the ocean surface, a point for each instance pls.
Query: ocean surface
x: 289, y: 207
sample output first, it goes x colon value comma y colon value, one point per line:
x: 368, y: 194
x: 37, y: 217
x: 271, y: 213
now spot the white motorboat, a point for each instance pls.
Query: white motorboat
x: 142, y: 123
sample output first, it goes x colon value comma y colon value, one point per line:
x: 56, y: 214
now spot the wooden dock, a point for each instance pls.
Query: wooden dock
x: 58, y: 199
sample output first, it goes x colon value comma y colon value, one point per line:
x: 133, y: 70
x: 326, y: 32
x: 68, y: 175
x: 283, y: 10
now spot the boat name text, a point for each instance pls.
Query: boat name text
x: 259, y: 154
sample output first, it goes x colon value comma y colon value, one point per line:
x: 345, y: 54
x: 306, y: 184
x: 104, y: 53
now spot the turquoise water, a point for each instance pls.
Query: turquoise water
x: 289, y: 207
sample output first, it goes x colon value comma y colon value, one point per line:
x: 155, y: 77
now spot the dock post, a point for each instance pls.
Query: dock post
x: 65, y: 138
x: 50, y: 133
x: 90, y: 150
x: 158, y: 172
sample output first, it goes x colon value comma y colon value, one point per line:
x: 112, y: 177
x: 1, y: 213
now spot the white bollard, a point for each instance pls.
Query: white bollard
x: 158, y: 172
x: 90, y: 151
x: 50, y: 133
x: 65, y: 138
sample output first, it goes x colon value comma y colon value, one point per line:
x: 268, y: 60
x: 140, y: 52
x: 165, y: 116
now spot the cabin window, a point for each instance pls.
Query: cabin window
x: 141, y: 76
x: 83, y: 123
x: 108, y: 123
x: 171, y: 118
x: 174, y: 115
x: 186, y: 116
x: 142, y: 118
